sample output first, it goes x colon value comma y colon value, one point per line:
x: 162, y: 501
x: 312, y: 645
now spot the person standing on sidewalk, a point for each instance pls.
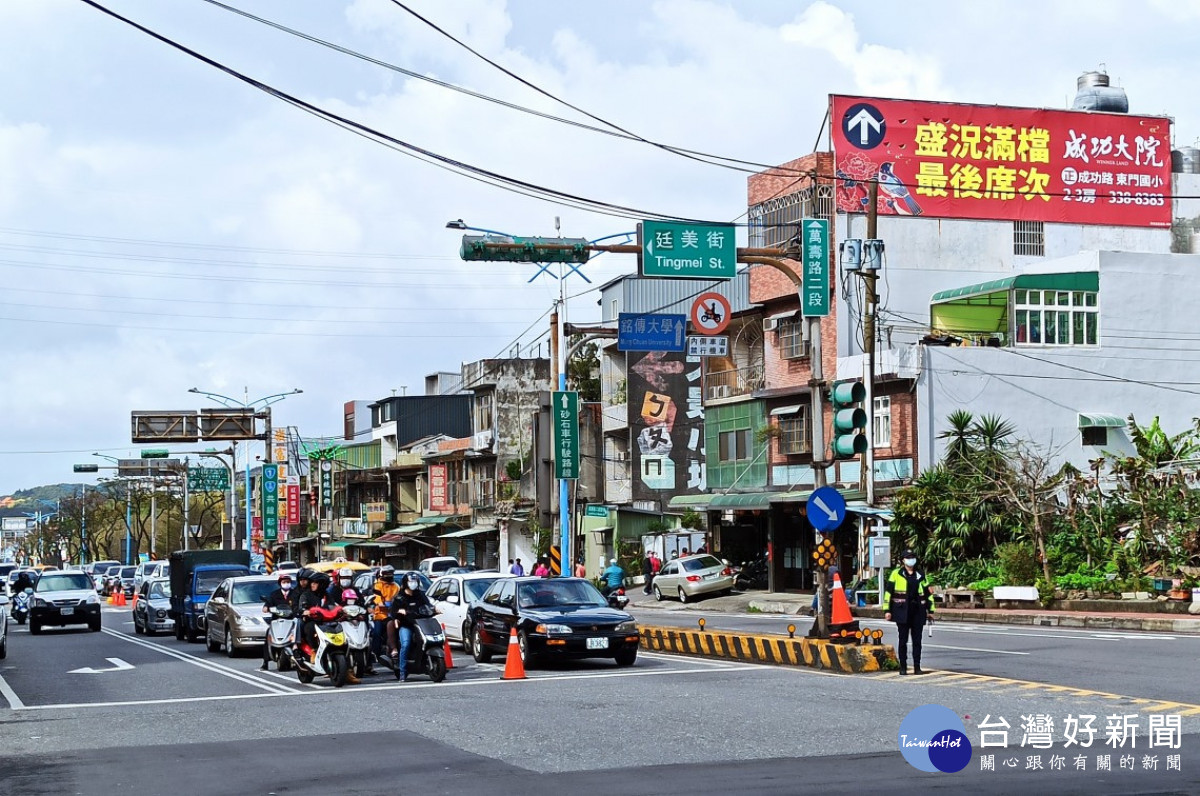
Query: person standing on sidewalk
x: 908, y: 601
x: 647, y: 572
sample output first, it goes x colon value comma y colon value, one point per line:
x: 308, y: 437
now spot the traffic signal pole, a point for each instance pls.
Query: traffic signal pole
x: 872, y: 299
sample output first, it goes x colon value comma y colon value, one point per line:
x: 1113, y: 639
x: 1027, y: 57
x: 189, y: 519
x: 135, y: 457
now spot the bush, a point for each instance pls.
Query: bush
x: 1078, y: 581
x: 1018, y: 565
x: 963, y: 572
x: 987, y: 584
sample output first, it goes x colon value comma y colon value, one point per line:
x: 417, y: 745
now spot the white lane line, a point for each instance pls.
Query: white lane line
x: 1098, y: 636
x: 203, y: 664
x: 975, y: 649
x: 14, y: 701
x: 358, y: 689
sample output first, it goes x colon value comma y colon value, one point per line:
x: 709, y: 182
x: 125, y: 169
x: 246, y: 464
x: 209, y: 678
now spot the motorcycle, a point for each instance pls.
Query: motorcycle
x: 20, y: 610
x: 426, y: 650
x: 356, y: 625
x: 751, y: 575
x: 329, y: 659
x: 281, y: 637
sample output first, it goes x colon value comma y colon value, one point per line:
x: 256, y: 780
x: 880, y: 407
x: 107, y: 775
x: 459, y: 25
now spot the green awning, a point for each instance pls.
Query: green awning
x: 442, y: 519
x: 869, y: 511
x: 1101, y: 421
x: 468, y: 532
x: 338, y: 545
x: 1080, y: 280
x: 690, y: 501
x: 756, y: 500
x: 410, y: 529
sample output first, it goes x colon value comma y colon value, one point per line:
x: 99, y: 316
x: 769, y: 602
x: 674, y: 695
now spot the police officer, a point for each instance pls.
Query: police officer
x: 908, y: 601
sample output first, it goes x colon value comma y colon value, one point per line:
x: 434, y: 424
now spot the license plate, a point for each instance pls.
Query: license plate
x: 67, y: 611
x: 597, y: 643
x: 711, y: 576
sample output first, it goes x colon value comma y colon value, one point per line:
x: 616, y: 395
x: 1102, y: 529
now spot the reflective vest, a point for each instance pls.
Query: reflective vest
x: 895, y: 600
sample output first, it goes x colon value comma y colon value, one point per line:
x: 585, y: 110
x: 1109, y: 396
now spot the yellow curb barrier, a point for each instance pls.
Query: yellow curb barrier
x: 779, y: 650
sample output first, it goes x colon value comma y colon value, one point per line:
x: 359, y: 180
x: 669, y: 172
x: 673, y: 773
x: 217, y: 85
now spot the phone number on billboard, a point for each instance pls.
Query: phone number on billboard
x: 1125, y: 198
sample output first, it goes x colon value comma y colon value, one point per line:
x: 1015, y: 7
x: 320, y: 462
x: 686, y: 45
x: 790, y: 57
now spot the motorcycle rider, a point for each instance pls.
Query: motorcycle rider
x: 405, y: 606
x: 343, y: 583
x: 385, y: 591
x: 22, y: 583
x: 317, y: 597
x: 614, y: 577
x: 279, y: 598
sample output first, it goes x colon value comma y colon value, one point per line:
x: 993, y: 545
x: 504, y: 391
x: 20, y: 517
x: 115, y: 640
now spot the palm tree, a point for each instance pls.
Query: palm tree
x: 960, y: 438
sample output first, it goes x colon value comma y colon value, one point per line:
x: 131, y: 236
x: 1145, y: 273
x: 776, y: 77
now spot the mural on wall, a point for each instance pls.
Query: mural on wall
x: 666, y: 415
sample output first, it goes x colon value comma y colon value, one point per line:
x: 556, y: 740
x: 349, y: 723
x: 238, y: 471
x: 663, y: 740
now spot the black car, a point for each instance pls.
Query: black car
x: 553, y: 617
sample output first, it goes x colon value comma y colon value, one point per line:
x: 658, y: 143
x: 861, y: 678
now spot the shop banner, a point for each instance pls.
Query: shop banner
x: 992, y: 162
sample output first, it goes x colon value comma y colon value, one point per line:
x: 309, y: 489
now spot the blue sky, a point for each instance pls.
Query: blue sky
x: 163, y: 226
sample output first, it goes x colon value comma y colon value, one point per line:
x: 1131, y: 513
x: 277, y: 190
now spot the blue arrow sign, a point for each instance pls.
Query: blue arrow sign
x: 826, y: 509
x: 864, y: 126
x: 638, y: 332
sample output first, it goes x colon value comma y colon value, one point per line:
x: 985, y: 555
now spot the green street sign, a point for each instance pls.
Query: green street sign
x: 500, y: 248
x: 208, y: 479
x: 270, y: 501
x: 594, y: 510
x: 564, y: 406
x: 684, y: 250
x: 815, y: 240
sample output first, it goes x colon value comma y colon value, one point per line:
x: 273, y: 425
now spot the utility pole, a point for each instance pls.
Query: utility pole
x: 869, y: 276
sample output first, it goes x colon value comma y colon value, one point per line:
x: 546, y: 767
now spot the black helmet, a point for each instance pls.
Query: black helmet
x: 304, y: 573
x: 387, y: 574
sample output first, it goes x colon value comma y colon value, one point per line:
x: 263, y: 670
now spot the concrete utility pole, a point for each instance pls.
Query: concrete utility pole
x: 869, y: 276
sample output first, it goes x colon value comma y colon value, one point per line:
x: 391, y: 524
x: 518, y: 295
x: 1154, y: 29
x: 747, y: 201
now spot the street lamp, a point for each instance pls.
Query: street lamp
x: 128, y: 510
x: 233, y: 403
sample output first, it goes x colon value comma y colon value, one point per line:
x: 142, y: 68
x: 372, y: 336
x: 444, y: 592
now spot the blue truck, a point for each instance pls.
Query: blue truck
x: 195, y: 575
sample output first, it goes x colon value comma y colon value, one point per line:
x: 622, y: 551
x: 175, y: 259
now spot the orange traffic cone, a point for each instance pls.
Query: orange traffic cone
x: 121, y: 598
x: 514, y: 667
x: 842, y: 624
x: 840, y: 614
x: 446, y: 640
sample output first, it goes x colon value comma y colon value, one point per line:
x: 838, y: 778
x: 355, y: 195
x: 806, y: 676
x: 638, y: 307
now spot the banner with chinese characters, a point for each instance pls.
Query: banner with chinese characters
x: 438, y: 498
x: 666, y: 414
x: 992, y: 162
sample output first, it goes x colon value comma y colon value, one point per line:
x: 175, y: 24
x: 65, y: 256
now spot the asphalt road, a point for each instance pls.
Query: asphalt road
x: 150, y: 715
x: 1147, y: 665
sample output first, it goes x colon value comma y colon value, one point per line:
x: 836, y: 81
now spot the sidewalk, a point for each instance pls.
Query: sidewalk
x: 799, y: 604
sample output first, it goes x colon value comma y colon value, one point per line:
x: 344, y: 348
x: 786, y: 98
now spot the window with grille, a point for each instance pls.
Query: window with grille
x: 734, y: 445
x: 881, y: 431
x: 1056, y: 317
x: 776, y: 221
x: 1029, y: 238
x: 1097, y: 435
x: 793, y: 344
x: 794, y: 433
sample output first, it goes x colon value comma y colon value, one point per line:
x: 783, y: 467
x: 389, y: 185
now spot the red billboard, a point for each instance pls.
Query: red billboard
x: 438, y: 498
x: 293, y: 504
x: 992, y: 162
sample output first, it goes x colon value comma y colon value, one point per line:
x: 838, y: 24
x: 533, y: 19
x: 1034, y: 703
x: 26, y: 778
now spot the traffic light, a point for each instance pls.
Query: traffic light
x: 496, y: 248
x: 849, y: 419
x: 86, y: 468
x: 155, y: 453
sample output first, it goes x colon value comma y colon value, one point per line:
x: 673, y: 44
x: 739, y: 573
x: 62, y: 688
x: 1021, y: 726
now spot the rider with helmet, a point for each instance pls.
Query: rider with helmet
x: 405, y: 606
x: 386, y: 590
x: 315, y: 597
x: 279, y: 598
x: 343, y: 582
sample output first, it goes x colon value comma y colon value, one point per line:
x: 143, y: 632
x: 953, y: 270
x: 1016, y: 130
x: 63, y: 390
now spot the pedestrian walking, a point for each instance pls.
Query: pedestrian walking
x: 516, y: 569
x: 908, y: 601
x: 647, y: 573
x: 580, y: 569
x: 541, y: 570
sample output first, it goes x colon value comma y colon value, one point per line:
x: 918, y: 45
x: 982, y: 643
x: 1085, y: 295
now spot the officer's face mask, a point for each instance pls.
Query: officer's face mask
x: 910, y: 562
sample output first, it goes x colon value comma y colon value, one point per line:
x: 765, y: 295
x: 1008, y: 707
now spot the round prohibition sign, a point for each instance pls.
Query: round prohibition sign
x: 710, y: 313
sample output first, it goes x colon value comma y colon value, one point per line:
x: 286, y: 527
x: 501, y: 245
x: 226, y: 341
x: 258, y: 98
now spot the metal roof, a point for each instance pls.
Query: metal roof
x: 1079, y: 280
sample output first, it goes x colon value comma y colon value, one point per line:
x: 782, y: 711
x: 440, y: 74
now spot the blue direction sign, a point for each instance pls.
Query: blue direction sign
x: 826, y: 509
x: 637, y: 332
x: 270, y: 501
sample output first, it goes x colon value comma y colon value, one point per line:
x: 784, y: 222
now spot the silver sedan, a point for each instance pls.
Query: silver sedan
x: 691, y: 577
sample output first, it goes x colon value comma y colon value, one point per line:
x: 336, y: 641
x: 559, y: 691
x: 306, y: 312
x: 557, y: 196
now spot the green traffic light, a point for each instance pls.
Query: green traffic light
x: 848, y: 417
x: 155, y: 453
x: 494, y: 248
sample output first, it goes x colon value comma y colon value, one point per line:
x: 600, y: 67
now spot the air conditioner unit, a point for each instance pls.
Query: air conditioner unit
x: 770, y: 324
x: 620, y: 456
x: 719, y: 391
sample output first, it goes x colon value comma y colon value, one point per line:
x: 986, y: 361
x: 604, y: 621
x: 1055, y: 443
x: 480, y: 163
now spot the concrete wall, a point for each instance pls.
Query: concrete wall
x: 1143, y: 366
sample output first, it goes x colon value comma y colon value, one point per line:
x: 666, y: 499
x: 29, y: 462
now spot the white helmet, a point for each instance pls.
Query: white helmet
x: 345, y: 572
x: 612, y: 561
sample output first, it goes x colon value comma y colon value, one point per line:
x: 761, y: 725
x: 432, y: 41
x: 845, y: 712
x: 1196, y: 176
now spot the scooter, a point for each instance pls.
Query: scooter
x: 356, y: 626
x: 752, y: 575
x: 329, y: 658
x: 426, y: 650
x: 281, y: 637
x: 20, y: 611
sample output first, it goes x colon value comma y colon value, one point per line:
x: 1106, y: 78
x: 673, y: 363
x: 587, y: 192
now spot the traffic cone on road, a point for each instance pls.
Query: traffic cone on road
x: 514, y: 667
x: 120, y: 598
x: 446, y: 642
x: 842, y: 625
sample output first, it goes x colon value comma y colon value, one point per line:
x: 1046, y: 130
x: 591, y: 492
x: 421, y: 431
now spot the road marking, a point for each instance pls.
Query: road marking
x: 118, y: 665
x: 1071, y: 633
x: 974, y: 649
x: 14, y: 701
x: 211, y: 666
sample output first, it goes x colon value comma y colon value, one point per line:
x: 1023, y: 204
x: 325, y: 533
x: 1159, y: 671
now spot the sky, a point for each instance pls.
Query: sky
x: 165, y: 225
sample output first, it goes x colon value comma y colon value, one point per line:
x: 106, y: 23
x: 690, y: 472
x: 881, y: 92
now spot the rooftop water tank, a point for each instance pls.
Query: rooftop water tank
x: 1185, y: 160
x: 1093, y: 93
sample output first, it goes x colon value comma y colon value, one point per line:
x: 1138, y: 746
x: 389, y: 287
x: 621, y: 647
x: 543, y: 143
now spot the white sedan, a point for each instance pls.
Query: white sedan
x: 453, y: 594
